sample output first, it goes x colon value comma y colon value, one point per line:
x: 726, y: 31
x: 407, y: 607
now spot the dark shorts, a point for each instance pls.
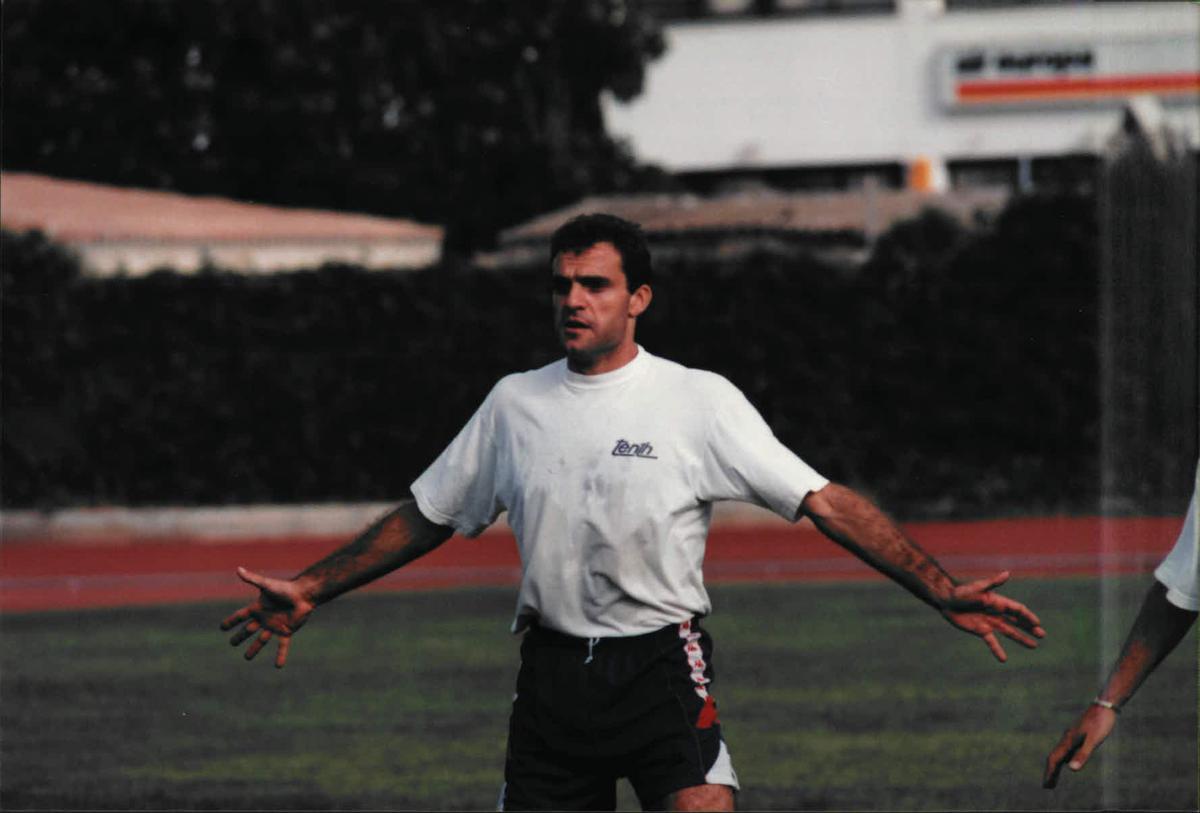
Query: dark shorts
x: 590, y: 711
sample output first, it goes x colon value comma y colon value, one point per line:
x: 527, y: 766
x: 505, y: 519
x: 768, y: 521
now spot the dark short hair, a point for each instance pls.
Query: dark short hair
x: 582, y: 232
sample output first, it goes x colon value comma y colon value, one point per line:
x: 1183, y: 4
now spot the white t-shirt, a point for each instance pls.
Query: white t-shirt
x: 609, y: 482
x: 1178, y: 572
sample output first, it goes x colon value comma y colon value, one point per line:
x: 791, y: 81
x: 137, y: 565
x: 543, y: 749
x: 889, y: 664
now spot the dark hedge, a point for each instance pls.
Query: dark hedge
x: 953, y: 374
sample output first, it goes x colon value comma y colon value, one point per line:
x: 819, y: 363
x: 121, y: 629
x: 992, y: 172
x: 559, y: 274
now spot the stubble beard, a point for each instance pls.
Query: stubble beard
x: 584, y: 358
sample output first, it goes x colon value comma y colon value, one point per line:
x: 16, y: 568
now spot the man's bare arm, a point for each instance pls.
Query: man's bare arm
x: 284, y: 605
x: 856, y: 524
x: 392, y: 541
x: 1158, y: 628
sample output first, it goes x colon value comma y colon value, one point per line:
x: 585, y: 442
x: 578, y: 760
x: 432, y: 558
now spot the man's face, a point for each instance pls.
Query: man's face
x: 594, y: 310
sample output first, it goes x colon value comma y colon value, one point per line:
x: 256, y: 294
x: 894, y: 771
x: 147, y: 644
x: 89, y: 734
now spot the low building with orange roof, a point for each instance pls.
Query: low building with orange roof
x: 116, y: 230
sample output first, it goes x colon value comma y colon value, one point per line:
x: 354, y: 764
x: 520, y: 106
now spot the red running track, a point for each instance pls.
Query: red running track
x: 114, y: 572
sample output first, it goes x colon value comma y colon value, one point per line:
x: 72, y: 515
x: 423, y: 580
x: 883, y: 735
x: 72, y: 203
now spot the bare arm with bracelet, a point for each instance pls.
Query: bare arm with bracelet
x: 1168, y: 612
x: 1159, y: 627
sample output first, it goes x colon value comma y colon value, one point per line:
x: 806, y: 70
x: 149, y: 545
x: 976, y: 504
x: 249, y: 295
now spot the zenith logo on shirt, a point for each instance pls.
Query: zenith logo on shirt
x: 626, y: 449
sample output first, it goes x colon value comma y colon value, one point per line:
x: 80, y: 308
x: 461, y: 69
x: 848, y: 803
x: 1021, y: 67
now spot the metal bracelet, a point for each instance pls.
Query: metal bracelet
x: 1107, y: 704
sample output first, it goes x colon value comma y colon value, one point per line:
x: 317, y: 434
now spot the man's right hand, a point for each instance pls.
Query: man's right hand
x: 280, y: 609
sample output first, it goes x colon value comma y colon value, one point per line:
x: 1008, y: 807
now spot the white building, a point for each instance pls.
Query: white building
x: 932, y: 93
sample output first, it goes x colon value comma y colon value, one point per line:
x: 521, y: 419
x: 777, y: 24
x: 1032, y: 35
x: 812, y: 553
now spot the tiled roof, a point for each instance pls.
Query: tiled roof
x: 79, y: 212
x: 867, y: 211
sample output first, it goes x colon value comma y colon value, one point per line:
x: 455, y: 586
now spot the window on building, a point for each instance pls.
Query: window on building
x: 963, y: 5
x: 795, y: 179
x: 1075, y: 173
x: 675, y: 10
x: 983, y: 172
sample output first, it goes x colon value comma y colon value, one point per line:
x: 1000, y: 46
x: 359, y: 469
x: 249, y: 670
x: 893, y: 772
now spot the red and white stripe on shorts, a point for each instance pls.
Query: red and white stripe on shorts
x: 700, y: 681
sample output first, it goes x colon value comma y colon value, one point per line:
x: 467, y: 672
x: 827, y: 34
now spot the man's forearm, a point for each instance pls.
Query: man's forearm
x: 394, y: 540
x: 1159, y: 627
x: 857, y: 525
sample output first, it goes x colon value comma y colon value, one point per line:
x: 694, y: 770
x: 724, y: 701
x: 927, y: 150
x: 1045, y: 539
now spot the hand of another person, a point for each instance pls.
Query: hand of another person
x: 973, y: 607
x: 280, y: 609
x: 1078, y: 742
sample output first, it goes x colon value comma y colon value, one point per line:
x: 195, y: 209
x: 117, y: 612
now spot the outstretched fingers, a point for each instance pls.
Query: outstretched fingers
x: 1017, y: 613
x: 980, y: 588
x: 1016, y: 634
x: 257, y: 644
x: 277, y: 613
x: 993, y: 644
x: 281, y: 654
x: 264, y: 637
x: 236, y: 618
x: 995, y: 604
x: 987, y: 585
x: 252, y: 578
x: 990, y: 626
x: 978, y: 610
x: 244, y: 633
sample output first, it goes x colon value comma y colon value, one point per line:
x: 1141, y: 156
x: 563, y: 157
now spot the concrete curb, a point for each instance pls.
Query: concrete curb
x: 225, y: 523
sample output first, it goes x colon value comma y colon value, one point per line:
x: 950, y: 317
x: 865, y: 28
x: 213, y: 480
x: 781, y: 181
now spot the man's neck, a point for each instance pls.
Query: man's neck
x: 615, y: 359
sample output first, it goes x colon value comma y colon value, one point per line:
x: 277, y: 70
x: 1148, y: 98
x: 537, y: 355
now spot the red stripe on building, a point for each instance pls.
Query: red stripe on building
x: 1077, y: 87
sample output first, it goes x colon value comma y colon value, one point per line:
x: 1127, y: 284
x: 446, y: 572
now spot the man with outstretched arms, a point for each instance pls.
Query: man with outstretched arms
x: 1168, y: 612
x: 608, y: 463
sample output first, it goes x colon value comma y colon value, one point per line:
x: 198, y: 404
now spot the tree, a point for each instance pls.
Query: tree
x: 471, y: 113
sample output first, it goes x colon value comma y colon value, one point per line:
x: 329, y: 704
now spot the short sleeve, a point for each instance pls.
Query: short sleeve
x: 745, y: 461
x: 1178, y: 572
x: 460, y: 488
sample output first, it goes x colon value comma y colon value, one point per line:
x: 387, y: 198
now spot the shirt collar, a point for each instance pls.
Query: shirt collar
x: 613, y: 377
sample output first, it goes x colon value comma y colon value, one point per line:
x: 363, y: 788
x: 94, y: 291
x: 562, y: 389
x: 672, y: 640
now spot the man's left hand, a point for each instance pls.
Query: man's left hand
x: 975, y: 608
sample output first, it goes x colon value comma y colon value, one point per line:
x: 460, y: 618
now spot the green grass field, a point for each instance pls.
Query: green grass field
x: 833, y: 696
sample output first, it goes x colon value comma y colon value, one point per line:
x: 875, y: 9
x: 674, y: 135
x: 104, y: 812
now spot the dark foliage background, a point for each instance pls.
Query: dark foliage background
x: 472, y: 114
x: 954, y: 374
